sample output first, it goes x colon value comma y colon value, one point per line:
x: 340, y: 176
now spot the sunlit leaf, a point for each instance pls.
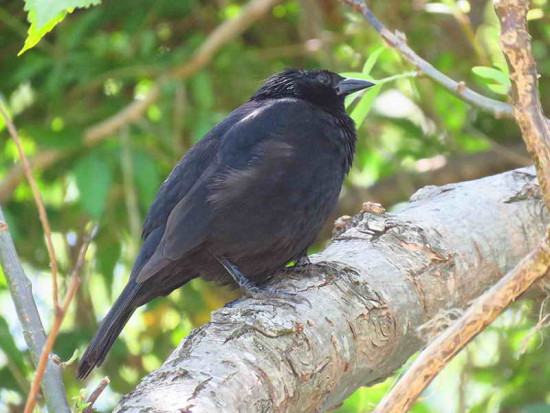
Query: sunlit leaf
x: 372, y: 59
x: 363, y: 107
x: 44, y: 15
x: 358, y: 75
x: 493, y: 74
x: 35, y: 32
x: 500, y: 89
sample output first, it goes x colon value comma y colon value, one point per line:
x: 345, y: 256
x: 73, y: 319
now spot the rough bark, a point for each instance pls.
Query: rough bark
x: 383, y: 277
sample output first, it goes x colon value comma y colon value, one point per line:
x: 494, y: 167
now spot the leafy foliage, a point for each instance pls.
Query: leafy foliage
x: 93, y: 179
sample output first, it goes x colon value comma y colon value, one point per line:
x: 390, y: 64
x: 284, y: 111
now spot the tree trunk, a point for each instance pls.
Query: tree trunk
x: 383, y: 277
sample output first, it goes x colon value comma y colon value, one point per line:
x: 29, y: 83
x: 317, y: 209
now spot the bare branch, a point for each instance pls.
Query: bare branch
x: 21, y: 293
x: 226, y: 32
x: 39, y: 205
x: 398, y: 42
x: 95, y: 394
x: 516, y: 45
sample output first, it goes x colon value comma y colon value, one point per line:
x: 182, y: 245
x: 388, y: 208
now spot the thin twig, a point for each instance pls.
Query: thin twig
x: 95, y: 394
x: 58, y: 320
x: 224, y: 33
x: 21, y: 293
x: 39, y: 204
x: 398, y: 41
x: 482, y: 313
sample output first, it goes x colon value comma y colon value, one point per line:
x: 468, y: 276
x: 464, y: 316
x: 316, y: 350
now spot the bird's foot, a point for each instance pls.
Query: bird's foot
x: 254, y: 291
x: 270, y: 293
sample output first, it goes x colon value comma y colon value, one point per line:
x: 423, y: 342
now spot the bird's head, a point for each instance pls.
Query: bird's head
x: 320, y: 87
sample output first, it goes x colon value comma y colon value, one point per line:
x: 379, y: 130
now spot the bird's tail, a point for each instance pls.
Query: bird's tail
x: 110, y: 328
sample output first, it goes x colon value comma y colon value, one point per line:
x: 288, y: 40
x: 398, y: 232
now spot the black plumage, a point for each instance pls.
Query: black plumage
x: 247, y: 199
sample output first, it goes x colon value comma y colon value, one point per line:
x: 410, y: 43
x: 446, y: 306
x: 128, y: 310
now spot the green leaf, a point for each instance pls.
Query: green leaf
x: 44, y: 15
x: 202, y: 90
x: 500, y: 89
x: 146, y: 177
x: 363, y: 107
x: 8, y: 380
x: 108, y: 254
x: 71, y: 360
x: 372, y: 59
x: 68, y: 138
x: 358, y: 75
x: 493, y: 74
x: 46, y: 10
x: 7, y: 110
x: 93, y: 179
x: 36, y: 32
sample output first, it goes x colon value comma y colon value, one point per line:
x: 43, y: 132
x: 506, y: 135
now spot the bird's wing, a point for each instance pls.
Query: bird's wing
x: 263, y: 150
x: 192, y: 168
x: 236, y: 150
x: 182, y: 178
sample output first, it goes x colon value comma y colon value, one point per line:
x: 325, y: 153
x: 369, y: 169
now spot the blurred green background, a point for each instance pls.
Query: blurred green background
x: 411, y: 133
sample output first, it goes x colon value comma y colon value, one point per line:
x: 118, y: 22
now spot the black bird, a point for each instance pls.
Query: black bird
x: 247, y: 199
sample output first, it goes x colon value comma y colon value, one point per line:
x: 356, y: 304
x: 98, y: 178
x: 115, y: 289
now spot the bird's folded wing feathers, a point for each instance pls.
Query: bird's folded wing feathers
x: 188, y: 222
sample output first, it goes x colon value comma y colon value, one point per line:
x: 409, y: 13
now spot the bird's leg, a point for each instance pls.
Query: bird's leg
x: 251, y: 289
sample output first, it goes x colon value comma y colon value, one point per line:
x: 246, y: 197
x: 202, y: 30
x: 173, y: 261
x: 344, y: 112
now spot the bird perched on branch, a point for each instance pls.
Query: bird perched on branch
x: 247, y: 199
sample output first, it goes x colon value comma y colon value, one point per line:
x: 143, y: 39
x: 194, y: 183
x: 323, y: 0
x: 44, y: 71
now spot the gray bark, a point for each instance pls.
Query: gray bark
x: 21, y: 292
x: 383, y: 277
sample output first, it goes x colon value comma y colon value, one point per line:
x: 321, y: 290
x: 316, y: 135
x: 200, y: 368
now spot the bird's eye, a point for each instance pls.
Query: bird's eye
x: 324, y: 79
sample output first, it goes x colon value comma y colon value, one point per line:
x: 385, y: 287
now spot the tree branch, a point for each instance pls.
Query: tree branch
x: 224, y: 33
x: 516, y: 44
x: 382, y: 278
x: 479, y: 316
x: 21, y: 293
x: 95, y: 394
x: 398, y: 41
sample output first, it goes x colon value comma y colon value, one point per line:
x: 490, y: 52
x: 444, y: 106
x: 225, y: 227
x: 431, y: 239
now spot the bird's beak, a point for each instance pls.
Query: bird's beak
x: 349, y: 85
